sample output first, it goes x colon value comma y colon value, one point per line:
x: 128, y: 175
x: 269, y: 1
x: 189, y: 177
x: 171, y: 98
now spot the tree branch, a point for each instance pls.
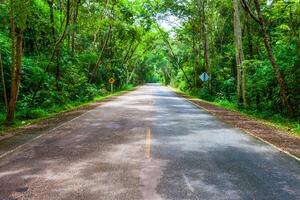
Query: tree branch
x: 248, y: 10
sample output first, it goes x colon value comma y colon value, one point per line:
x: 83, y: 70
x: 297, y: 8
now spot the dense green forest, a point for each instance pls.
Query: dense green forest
x: 60, y: 53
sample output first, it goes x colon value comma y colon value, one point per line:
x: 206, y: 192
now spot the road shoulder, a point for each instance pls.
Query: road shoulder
x: 19, y: 136
x: 278, y: 139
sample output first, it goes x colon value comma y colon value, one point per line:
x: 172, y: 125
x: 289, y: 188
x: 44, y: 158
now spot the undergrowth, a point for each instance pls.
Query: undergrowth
x: 292, y: 126
x: 27, y: 116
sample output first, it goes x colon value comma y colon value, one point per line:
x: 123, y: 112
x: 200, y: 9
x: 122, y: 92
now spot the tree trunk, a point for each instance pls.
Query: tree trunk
x: 281, y: 81
x: 62, y: 37
x: 57, y: 72
x: 297, y: 63
x: 73, y: 45
x: 73, y: 31
x: 3, y: 82
x: 16, y: 78
x: 250, y: 40
x: 106, y: 41
x: 50, y: 3
x: 205, y: 41
x: 239, y: 55
x: 94, y: 70
x: 190, y: 83
x: 195, y: 59
x: 177, y: 63
x: 131, y: 74
x: 69, y: 42
x: 12, y: 37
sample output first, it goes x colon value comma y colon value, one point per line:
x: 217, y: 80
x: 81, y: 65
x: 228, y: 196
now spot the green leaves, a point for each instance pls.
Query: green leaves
x: 135, y: 51
x: 21, y: 8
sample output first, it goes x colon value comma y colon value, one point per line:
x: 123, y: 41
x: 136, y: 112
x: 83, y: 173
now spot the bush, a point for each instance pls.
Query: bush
x: 32, y: 113
x: 204, y: 93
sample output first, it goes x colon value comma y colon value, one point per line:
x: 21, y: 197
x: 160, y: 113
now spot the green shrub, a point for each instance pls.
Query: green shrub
x: 32, y: 113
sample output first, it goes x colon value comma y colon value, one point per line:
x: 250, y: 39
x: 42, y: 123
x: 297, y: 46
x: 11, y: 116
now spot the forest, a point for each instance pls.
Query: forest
x: 59, y: 54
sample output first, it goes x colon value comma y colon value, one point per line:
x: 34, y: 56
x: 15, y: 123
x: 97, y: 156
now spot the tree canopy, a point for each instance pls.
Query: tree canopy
x: 57, y: 52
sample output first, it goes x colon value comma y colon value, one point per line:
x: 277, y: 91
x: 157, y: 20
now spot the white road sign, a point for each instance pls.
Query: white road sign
x: 204, y: 76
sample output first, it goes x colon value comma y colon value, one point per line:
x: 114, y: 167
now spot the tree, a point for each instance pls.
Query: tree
x: 3, y: 82
x: 67, y: 51
x: 281, y: 81
x: 17, y: 29
x: 204, y: 35
x: 239, y: 55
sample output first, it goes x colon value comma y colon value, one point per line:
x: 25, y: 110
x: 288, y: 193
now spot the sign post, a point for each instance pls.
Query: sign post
x: 204, y: 77
x: 111, y: 81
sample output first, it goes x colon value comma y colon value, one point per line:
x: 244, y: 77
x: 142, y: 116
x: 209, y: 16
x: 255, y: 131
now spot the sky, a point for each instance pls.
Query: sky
x: 169, y: 22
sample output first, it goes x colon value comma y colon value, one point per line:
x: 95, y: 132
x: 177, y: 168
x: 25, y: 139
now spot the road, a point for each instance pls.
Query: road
x: 148, y: 144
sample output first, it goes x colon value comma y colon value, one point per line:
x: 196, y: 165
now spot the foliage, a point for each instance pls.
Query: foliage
x: 101, y: 40
x: 69, y: 62
x: 263, y: 92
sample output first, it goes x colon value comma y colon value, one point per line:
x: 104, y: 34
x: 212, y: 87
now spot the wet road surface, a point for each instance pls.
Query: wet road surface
x: 148, y: 144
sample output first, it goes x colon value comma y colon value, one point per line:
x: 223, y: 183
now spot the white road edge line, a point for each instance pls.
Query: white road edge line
x: 47, y: 132
x: 248, y: 132
x: 43, y: 134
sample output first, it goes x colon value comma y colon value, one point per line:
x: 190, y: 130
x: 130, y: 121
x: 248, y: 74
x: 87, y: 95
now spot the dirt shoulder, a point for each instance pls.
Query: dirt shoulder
x: 281, y: 140
x: 18, y: 136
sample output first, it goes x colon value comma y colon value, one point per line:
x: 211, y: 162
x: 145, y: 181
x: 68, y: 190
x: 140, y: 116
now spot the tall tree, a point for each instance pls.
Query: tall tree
x: 3, y: 82
x: 62, y: 37
x: 51, y: 10
x: 16, y: 76
x: 280, y: 79
x: 74, y: 24
x: 239, y: 55
x: 17, y: 28
x: 204, y: 37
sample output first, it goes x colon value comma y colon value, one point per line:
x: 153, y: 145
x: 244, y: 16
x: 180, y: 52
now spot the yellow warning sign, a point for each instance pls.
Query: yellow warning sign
x: 111, y: 80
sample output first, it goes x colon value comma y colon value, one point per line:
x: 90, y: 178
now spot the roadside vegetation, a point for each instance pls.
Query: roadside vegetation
x: 26, y: 117
x: 58, y: 54
x: 251, y: 52
x: 290, y: 126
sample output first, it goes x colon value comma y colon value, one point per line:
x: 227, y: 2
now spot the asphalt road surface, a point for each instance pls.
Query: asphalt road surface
x: 148, y: 144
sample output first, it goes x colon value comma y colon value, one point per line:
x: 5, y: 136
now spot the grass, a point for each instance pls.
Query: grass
x: 292, y: 127
x: 277, y: 121
x: 39, y: 114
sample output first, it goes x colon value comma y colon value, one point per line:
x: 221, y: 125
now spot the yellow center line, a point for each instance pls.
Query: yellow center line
x: 148, y: 143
